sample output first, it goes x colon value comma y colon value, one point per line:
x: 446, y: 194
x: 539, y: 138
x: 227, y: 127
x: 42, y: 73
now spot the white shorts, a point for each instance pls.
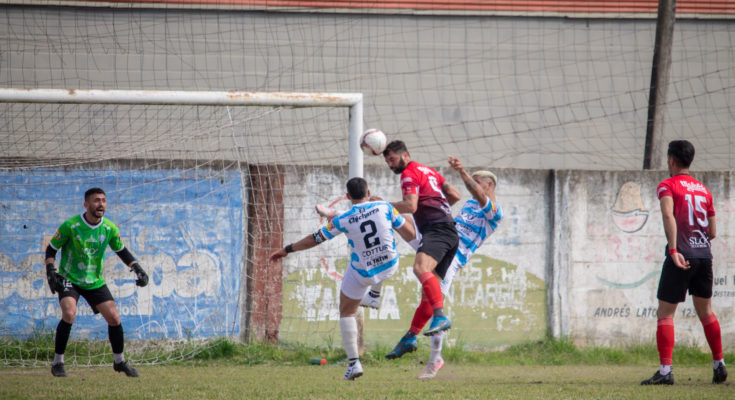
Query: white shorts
x: 449, y: 276
x: 355, y: 285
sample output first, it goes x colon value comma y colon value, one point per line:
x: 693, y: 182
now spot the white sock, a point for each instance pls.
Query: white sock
x: 717, y: 363
x: 665, y: 370
x: 436, y: 347
x: 348, y: 326
x: 119, y: 357
x: 376, y: 288
x: 58, y: 359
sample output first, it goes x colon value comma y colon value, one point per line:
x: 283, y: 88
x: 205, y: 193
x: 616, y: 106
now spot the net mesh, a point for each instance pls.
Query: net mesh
x: 193, y: 187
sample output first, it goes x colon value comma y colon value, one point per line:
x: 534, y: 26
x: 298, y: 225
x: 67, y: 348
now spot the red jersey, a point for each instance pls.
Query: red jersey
x: 424, y: 181
x: 693, y: 206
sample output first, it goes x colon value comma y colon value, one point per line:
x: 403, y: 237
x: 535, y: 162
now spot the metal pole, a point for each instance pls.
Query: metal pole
x: 660, y: 71
x: 356, y: 162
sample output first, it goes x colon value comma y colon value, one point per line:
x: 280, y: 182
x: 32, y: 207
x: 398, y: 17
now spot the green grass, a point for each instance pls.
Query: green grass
x: 548, y: 369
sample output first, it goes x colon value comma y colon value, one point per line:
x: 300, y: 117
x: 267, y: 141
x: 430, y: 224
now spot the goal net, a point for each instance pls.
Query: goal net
x: 201, y: 194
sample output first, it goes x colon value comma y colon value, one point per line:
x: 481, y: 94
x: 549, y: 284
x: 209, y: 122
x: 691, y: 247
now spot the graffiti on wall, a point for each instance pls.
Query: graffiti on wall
x: 626, y: 257
x: 491, y: 302
x: 184, y: 227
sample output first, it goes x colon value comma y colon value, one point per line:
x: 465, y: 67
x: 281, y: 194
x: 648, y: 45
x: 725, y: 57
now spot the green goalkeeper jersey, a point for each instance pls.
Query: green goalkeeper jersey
x: 83, y: 249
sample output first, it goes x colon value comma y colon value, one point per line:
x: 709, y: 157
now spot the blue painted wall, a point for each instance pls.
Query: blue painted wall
x: 184, y: 226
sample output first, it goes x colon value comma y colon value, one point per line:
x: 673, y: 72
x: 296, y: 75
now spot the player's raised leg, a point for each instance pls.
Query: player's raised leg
x: 371, y: 299
x: 407, y: 344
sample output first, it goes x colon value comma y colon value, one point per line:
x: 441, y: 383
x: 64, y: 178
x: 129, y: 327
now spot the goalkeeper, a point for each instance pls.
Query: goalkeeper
x: 83, y: 240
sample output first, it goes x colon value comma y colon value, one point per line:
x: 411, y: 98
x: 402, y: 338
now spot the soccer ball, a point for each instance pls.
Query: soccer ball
x: 373, y: 142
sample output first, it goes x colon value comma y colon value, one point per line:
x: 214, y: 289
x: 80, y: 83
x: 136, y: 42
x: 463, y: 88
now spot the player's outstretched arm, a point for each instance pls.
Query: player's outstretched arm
x: 305, y: 243
x: 474, y: 188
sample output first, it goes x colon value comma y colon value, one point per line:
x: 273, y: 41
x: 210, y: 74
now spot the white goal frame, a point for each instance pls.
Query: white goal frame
x: 208, y: 98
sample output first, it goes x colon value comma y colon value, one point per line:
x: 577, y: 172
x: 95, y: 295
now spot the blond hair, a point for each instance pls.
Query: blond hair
x: 486, y: 174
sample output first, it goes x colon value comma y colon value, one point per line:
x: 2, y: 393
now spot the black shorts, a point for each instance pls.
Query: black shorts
x: 93, y: 296
x: 674, y: 282
x: 440, y: 241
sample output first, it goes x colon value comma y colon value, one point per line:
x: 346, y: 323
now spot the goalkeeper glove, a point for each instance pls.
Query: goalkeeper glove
x: 55, y: 281
x: 142, y: 277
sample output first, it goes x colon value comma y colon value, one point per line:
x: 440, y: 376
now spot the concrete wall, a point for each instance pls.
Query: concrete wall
x: 610, y: 251
x: 592, y: 242
x: 578, y: 255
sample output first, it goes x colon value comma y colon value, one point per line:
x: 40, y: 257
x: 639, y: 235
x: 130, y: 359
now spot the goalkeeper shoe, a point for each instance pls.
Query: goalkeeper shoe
x: 405, y: 345
x: 438, y: 324
x: 432, y: 367
x: 371, y: 300
x: 326, y: 212
x: 354, y: 370
x: 58, y: 371
x: 720, y: 374
x: 658, y: 379
x: 124, y: 367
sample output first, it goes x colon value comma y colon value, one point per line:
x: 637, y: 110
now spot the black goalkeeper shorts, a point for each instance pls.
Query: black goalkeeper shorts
x: 93, y: 296
x: 440, y: 241
x: 674, y: 282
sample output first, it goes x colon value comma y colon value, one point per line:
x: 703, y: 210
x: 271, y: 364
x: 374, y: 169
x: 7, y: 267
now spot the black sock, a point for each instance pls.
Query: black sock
x: 409, y: 335
x: 438, y: 312
x: 62, y: 336
x: 116, y: 338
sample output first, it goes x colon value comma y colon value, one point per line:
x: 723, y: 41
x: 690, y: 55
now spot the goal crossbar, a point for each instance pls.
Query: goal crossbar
x: 206, y: 98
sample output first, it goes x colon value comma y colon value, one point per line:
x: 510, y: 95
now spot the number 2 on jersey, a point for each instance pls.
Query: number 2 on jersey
x: 373, y: 231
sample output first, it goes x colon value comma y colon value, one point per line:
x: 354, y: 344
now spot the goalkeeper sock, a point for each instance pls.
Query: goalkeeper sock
x: 62, y: 336
x: 117, y: 340
x: 348, y: 326
x: 436, y: 347
x: 58, y: 359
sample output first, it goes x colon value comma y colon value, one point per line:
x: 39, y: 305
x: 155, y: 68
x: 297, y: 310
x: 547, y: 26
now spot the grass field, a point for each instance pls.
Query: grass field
x: 545, y: 370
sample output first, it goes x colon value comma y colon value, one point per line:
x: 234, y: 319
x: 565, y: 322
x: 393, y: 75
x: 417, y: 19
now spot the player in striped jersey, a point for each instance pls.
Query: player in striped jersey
x: 478, y: 219
x: 369, y: 227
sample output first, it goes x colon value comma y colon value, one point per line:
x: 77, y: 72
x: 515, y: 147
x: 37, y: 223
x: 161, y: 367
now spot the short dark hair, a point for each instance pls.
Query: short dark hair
x: 357, y: 188
x: 396, y: 146
x: 682, y: 151
x: 94, y: 190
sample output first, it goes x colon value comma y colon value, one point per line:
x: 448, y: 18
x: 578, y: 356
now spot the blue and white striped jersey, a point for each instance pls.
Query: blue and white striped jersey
x: 369, y: 229
x: 474, y: 225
